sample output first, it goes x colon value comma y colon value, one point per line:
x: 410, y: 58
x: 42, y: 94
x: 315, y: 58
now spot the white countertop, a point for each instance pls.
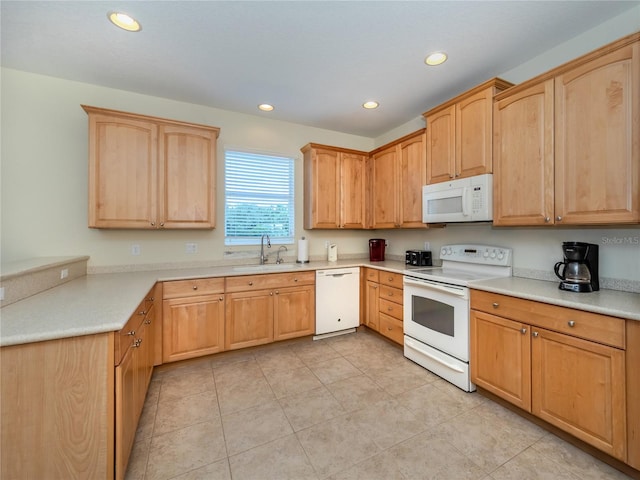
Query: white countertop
x: 607, y: 302
x: 104, y: 302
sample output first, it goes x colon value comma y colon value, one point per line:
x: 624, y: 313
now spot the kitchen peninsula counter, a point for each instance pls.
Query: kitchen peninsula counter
x: 99, y: 303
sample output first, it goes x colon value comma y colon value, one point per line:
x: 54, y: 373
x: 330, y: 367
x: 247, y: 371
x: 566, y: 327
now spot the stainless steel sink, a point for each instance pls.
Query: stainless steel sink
x: 266, y: 268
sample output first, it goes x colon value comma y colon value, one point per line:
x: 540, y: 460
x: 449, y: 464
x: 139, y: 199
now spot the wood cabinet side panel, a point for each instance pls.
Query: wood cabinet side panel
x: 57, y: 408
x: 632, y: 359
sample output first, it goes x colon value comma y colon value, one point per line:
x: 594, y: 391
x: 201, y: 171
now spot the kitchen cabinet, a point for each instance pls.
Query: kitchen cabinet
x: 334, y: 187
x: 148, y: 173
x: 134, y: 360
x: 384, y: 303
x: 193, y: 318
x: 564, y: 366
x: 459, y: 134
x: 264, y: 308
x: 566, y: 143
x: 397, y: 172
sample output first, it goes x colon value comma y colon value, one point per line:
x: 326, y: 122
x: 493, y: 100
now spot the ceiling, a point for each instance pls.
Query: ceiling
x: 316, y: 61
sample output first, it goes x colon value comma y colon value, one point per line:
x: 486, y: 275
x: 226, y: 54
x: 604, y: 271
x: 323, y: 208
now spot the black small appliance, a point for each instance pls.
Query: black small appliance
x: 418, y: 258
x: 579, y: 268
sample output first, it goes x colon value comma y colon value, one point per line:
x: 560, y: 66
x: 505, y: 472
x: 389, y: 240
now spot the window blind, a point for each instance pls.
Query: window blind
x: 259, y: 198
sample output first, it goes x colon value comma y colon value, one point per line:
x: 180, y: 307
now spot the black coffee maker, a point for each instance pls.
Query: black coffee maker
x: 580, y: 272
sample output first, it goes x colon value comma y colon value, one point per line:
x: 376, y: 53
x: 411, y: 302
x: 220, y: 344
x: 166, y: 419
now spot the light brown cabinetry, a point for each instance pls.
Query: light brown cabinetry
x: 264, y: 308
x: 193, y: 318
x: 334, y: 187
x: 147, y: 172
x: 565, y: 366
x: 397, y: 173
x: 384, y: 303
x: 133, y: 368
x: 459, y: 134
x: 566, y: 143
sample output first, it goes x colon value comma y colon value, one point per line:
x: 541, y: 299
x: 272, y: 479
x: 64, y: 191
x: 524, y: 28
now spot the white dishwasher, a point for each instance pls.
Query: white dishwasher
x: 337, y: 300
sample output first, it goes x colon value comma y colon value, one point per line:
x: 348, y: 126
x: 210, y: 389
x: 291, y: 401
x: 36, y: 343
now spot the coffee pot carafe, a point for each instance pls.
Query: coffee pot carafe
x: 579, y: 270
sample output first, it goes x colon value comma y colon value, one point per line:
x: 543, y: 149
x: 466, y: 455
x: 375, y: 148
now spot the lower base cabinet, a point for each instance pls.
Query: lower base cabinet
x: 383, y: 299
x: 522, y: 352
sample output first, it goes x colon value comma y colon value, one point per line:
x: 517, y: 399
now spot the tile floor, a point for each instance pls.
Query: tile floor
x: 346, y: 407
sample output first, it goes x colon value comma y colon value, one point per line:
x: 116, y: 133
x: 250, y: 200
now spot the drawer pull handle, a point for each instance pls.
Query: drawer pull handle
x: 277, y: 292
x: 523, y: 331
x: 495, y: 304
x: 147, y: 322
x: 137, y: 343
x: 571, y: 323
x: 389, y: 329
x: 131, y: 333
x: 195, y: 287
x: 150, y: 299
x: 271, y: 293
x: 535, y: 334
x: 390, y: 309
x: 390, y: 294
x: 295, y: 279
x: 221, y: 298
x: 143, y: 312
x: 250, y: 284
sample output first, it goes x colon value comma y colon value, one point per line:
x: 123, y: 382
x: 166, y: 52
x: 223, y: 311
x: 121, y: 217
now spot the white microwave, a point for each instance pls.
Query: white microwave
x: 464, y: 200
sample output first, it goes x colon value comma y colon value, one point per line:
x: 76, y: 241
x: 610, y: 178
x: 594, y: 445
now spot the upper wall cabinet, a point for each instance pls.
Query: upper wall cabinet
x: 397, y: 172
x: 334, y: 187
x: 148, y: 173
x: 459, y: 134
x: 567, y: 143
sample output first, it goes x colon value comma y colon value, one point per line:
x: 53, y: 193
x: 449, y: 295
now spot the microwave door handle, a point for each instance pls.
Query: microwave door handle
x: 435, y: 286
x: 465, y: 200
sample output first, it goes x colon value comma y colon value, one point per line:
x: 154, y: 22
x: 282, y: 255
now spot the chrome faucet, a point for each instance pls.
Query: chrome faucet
x: 278, y: 259
x: 263, y: 257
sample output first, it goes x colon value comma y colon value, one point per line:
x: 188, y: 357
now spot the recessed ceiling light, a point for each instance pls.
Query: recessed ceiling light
x: 370, y: 104
x: 265, y: 107
x: 436, y: 58
x: 124, y: 21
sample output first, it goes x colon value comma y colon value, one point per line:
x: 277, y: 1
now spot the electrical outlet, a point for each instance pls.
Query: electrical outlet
x: 427, y: 245
x: 64, y: 273
x: 191, y: 248
x: 135, y: 249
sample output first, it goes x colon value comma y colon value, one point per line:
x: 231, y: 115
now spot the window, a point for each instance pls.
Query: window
x: 258, y: 198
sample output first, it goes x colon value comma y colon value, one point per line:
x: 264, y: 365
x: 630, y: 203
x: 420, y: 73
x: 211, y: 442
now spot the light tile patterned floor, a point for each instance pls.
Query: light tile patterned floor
x: 347, y: 407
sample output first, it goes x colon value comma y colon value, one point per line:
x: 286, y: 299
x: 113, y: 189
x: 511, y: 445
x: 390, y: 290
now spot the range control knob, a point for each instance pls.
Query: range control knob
x: 500, y: 254
x: 486, y: 254
x: 493, y: 254
x: 443, y: 252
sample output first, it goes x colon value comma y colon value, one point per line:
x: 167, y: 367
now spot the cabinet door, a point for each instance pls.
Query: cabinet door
x: 352, y: 190
x: 501, y: 357
x: 523, y: 157
x: 474, y: 127
x: 294, y: 312
x: 579, y: 386
x: 322, y: 188
x: 187, y: 174
x: 249, y: 319
x: 372, y: 290
x: 126, y: 399
x: 384, y: 189
x: 192, y: 327
x: 412, y: 175
x: 441, y: 145
x: 122, y: 172
x: 597, y: 140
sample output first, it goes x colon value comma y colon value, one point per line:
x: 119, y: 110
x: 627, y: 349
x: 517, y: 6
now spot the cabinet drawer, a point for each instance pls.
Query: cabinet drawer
x: 247, y: 283
x: 391, y: 279
x: 391, y: 308
x: 125, y: 337
x: 391, y: 294
x: 372, y: 274
x: 587, y: 325
x: 392, y: 328
x: 189, y: 288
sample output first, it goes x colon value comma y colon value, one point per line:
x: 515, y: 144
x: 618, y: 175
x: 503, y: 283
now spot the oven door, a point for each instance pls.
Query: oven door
x: 438, y: 315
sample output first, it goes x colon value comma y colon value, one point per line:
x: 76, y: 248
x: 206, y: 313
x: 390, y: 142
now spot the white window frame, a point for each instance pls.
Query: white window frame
x: 266, y: 170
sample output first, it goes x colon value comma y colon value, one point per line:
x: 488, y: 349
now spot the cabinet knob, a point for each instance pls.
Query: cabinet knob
x: 535, y: 334
x: 277, y: 292
x: 495, y: 304
x: 195, y: 287
x: 137, y: 343
x: 221, y: 298
x: 559, y: 218
x: 390, y: 309
x: 147, y: 322
x: 143, y: 312
x: 250, y: 284
x: 295, y: 279
x: 131, y: 333
x: 547, y: 219
x: 271, y: 293
x: 162, y: 224
x: 389, y: 329
x: 523, y: 331
x: 571, y: 323
x: 451, y: 175
x: 150, y: 299
x: 390, y: 294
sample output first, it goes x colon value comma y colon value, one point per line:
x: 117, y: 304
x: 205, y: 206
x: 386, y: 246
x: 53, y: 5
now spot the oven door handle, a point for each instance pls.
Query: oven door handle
x: 411, y: 344
x: 461, y: 292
